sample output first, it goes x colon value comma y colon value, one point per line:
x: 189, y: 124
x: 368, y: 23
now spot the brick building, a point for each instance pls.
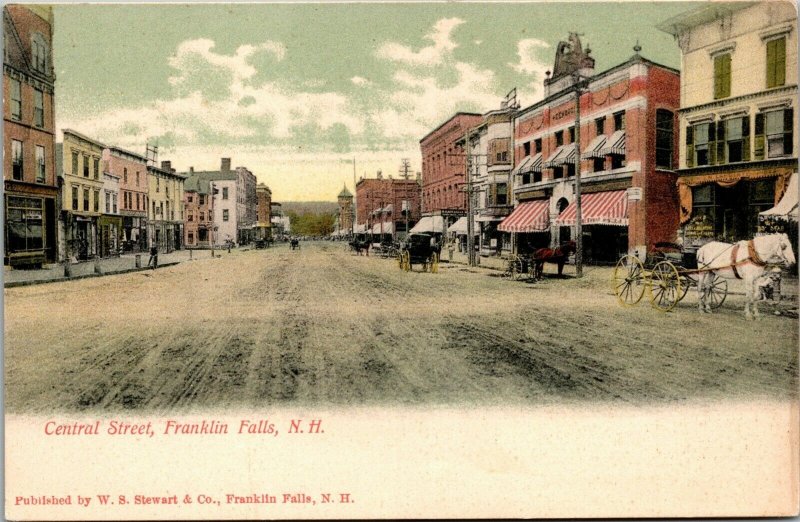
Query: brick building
x: 344, y: 218
x: 29, y: 162
x: 738, y: 120
x: 444, y: 166
x: 628, y: 144
x: 131, y: 170
x: 383, y: 204
x: 198, y: 227
x: 263, y: 212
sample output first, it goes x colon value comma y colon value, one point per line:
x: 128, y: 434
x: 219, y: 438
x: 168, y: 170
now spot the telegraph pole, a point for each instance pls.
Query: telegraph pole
x: 577, y: 80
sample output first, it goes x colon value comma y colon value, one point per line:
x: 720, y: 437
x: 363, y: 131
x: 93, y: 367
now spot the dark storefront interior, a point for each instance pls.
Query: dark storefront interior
x: 733, y: 210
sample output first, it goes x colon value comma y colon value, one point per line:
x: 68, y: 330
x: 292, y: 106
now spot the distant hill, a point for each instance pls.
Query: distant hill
x: 310, y: 207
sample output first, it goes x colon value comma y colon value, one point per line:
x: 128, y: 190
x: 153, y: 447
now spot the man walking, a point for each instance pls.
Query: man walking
x: 153, y: 262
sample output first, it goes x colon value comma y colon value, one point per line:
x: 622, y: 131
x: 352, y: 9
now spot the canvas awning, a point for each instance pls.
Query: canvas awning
x: 523, y: 166
x: 563, y: 155
x: 536, y: 163
x: 787, y: 206
x: 595, y: 147
x: 529, y: 216
x: 388, y: 228
x: 429, y: 224
x: 458, y: 228
x: 615, y: 144
x: 360, y: 229
x: 599, y: 208
x: 551, y: 161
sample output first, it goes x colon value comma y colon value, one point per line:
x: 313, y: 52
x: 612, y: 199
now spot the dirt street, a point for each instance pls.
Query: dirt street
x: 320, y: 326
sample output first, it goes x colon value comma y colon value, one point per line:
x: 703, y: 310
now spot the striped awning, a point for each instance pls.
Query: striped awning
x: 551, y: 161
x: 595, y: 147
x: 563, y: 155
x: 529, y: 216
x: 536, y: 163
x: 615, y: 144
x: 523, y: 166
x: 599, y: 208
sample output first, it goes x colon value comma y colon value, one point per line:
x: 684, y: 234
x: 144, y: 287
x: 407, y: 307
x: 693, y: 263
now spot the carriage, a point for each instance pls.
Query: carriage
x: 294, y: 244
x: 419, y: 249
x: 667, y: 274
x: 531, y: 266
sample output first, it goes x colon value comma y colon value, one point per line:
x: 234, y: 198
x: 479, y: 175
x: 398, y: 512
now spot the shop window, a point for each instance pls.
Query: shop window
x: 74, y: 198
x: 600, y: 126
x: 619, y: 121
x: 776, y: 62
x: 86, y: 200
x: 704, y: 204
x: 16, y: 100
x: 74, y: 163
x: 537, y: 145
x: 41, y: 172
x: 722, y: 76
x: 526, y: 147
x: 24, y: 224
x: 598, y: 164
x: 664, y: 138
x: 16, y: 160
x: 38, y: 108
x: 559, y: 138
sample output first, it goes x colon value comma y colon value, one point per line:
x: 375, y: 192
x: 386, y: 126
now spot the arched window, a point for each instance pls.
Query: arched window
x: 562, y: 205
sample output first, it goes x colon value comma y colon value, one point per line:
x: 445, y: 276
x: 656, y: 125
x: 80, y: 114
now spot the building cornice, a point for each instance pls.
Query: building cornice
x: 779, y: 91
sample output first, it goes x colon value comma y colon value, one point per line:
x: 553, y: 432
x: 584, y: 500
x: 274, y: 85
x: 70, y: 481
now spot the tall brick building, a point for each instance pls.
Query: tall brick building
x: 444, y: 165
x: 629, y: 153
x: 29, y: 173
x: 382, y: 205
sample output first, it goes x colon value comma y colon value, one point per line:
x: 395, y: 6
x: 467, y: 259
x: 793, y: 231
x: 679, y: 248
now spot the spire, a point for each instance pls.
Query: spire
x: 345, y: 193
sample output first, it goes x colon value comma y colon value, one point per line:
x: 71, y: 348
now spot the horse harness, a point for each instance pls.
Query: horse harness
x: 752, y: 257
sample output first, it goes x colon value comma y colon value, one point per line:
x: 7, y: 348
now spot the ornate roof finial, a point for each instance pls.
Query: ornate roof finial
x: 637, y: 47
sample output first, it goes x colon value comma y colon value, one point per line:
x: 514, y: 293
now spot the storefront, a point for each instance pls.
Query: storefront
x: 531, y: 222
x: 25, y: 231
x: 604, y: 218
x: 134, y: 234
x: 110, y: 235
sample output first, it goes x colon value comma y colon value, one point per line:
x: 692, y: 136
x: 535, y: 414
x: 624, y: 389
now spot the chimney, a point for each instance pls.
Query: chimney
x: 191, y: 170
x: 166, y: 165
x: 226, y: 165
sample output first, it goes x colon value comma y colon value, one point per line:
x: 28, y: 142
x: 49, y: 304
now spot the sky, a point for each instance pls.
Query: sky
x: 295, y: 92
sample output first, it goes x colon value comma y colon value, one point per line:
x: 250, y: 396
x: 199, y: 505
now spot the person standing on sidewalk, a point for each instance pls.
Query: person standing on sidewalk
x: 153, y: 261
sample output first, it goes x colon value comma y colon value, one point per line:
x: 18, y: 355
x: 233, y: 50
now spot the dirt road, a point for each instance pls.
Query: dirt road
x: 320, y: 326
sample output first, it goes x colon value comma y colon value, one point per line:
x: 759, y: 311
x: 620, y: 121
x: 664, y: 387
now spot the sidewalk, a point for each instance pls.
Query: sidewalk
x: 108, y: 266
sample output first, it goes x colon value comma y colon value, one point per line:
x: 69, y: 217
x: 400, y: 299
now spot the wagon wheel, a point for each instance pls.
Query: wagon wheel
x: 434, y: 263
x: 687, y: 281
x: 407, y: 261
x: 400, y: 260
x: 517, y: 271
x: 665, y: 286
x: 629, y: 280
x: 512, y: 267
x: 718, y: 291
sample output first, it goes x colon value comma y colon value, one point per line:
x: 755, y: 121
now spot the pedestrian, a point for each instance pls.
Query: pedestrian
x: 152, y: 263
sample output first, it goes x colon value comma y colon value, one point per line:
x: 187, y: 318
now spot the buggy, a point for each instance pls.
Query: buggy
x: 420, y: 249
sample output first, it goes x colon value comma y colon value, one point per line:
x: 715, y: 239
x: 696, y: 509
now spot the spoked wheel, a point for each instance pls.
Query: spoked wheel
x: 400, y: 261
x: 434, y: 263
x: 406, y: 261
x: 512, y: 268
x: 687, y: 281
x: 718, y: 291
x: 517, y: 272
x: 629, y: 280
x: 665, y: 286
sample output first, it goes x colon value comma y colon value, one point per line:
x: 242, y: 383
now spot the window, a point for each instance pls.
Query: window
x: 114, y: 197
x: 74, y: 197
x: 39, y: 53
x: 537, y: 177
x: 225, y: 194
x: 125, y: 175
x: 154, y: 208
x: 38, y: 108
x: 722, y: 76
x: 617, y: 161
x: 189, y: 217
x: 86, y: 200
x: 16, y: 100
x: 24, y: 230
x: 570, y: 169
x: 498, y: 151
x: 225, y: 215
x: 559, y: 138
x: 598, y: 164
x: 96, y: 165
x: 97, y: 201
x: 191, y: 237
x: 16, y: 159
x: 138, y: 204
x: 664, y: 141
x: 202, y: 199
x: 736, y: 140
x: 776, y: 62
x: 86, y: 166
x: 571, y: 132
x: 600, y: 126
x: 703, y: 204
x: 699, y: 141
x: 537, y: 145
x: 526, y: 178
x: 161, y: 209
x: 779, y: 127
x: 108, y: 202
x: 202, y: 216
x: 189, y: 199
x: 527, y: 148
x: 158, y: 184
x: 40, y: 165
x: 558, y: 172
x: 502, y: 194
x: 619, y: 121
x: 137, y: 178
x: 74, y: 163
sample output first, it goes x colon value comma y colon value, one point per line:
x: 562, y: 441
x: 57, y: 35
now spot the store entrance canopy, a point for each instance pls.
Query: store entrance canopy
x: 599, y: 208
x: 429, y: 224
x: 529, y: 216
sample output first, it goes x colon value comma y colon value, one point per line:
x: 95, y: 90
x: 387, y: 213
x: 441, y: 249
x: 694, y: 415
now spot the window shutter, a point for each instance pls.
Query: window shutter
x: 788, y: 127
x: 717, y: 77
x: 746, y: 138
x: 780, y: 61
x: 689, y: 146
x: 771, y: 56
x: 712, y: 149
x: 721, y: 142
x: 759, y: 140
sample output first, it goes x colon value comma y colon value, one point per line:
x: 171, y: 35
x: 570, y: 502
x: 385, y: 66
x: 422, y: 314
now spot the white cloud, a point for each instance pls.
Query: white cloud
x: 527, y: 54
x: 443, y: 44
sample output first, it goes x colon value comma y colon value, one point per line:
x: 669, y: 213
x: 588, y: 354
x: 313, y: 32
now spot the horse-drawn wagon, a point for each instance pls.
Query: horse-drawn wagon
x: 532, y: 265
x: 419, y: 249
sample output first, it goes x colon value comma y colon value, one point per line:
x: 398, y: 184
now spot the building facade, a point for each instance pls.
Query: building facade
x: 198, y: 212
x: 246, y: 203
x: 165, y: 213
x: 386, y: 206
x: 344, y: 218
x: 29, y: 161
x: 131, y: 170
x: 444, y: 166
x: 738, y: 116
x: 110, y: 221
x: 263, y: 229
x: 628, y: 155
x: 81, y: 194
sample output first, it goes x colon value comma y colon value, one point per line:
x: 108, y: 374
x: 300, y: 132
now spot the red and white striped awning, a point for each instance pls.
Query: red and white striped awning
x: 615, y: 144
x: 599, y: 208
x: 529, y: 216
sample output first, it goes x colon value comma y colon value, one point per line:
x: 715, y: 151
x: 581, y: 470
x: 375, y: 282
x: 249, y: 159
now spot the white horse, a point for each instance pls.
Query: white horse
x: 748, y: 260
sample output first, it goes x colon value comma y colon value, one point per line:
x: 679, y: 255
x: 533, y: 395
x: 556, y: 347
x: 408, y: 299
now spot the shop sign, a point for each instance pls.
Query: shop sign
x: 699, y: 227
x: 634, y: 193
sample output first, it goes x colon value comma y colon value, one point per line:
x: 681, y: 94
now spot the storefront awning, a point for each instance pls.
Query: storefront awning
x: 523, y: 166
x: 360, y: 229
x: 429, y: 224
x: 599, y: 208
x: 595, y: 147
x: 459, y: 227
x: 529, y: 216
x: 615, y: 144
x: 388, y: 228
x: 787, y: 206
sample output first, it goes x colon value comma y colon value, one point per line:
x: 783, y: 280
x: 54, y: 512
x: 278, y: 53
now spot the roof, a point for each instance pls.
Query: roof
x: 83, y: 137
x: 159, y: 170
x: 125, y: 152
x: 448, y: 120
x: 212, y: 175
x: 700, y: 16
x: 345, y: 193
x: 197, y: 184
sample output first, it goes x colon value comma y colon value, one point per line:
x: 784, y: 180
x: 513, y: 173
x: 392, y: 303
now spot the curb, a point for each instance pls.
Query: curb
x: 14, y: 284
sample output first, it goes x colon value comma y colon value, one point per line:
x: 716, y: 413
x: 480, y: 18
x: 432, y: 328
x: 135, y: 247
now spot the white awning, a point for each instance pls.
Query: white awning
x: 360, y: 229
x: 429, y: 224
x: 388, y: 228
x: 787, y: 206
x: 523, y: 165
x: 459, y: 227
x: 595, y: 147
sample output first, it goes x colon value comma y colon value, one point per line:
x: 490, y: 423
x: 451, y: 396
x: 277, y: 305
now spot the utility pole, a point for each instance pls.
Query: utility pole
x: 578, y: 81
